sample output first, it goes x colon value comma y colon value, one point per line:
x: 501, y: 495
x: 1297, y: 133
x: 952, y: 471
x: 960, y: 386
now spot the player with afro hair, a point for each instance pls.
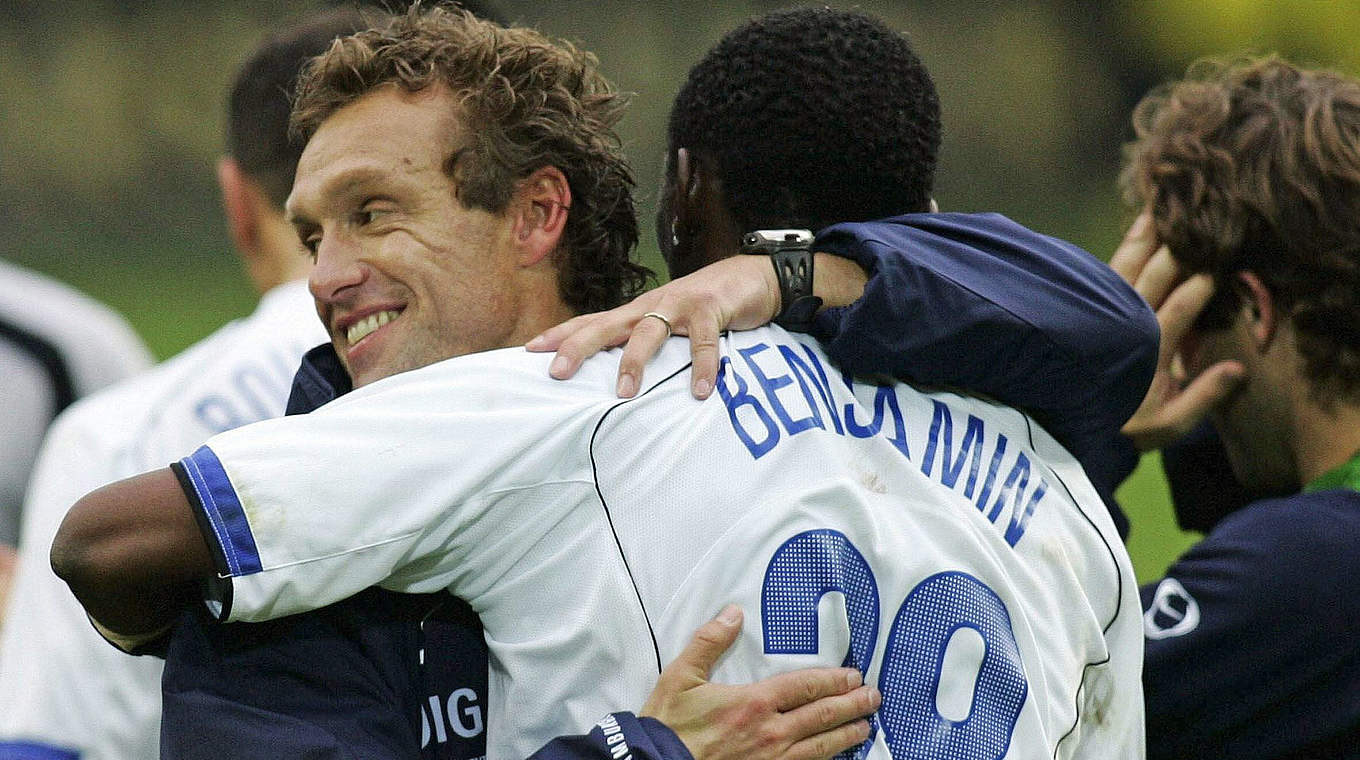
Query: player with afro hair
x: 846, y: 152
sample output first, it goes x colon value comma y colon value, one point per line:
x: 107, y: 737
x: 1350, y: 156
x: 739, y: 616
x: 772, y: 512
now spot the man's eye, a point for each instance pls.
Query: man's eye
x: 369, y: 215
x: 310, y: 243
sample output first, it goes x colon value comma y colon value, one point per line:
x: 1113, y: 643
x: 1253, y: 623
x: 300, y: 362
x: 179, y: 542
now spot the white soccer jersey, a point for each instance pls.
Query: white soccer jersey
x: 56, y: 344
x: 61, y: 684
x: 946, y: 546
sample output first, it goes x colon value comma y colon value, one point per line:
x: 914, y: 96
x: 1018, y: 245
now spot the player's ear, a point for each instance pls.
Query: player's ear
x: 681, y: 200
x: 542, y: 202
x: 1259, y: 308
x: 238, y: 203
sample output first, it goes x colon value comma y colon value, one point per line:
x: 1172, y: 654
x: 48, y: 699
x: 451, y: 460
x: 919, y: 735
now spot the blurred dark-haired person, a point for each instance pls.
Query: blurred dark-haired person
x: 619, y: 517
x: 56, y: 345
x: 1249, y: 171
x: 64, y: 692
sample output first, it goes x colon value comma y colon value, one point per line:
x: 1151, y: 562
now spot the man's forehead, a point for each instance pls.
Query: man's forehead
x: 388, y: 135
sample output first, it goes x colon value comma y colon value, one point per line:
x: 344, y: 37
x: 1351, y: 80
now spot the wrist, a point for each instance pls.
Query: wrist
x: 840, y: 281
x: 790, y: 253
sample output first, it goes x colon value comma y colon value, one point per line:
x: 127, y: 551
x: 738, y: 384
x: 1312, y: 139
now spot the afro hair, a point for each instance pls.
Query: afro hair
x: 814, y: 116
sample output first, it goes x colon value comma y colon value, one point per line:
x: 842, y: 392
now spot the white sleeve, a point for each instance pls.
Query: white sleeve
x: 61, y: 685
x: 371, y: 490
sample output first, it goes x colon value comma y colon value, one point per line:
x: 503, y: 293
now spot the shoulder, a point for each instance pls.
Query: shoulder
x: 1290, y: 551
x: 500, y: 379
x: 1303, y: 524
x: 97, y: 344
x: 285, y: 318
x: 239, y: 374
x: 983, y: 230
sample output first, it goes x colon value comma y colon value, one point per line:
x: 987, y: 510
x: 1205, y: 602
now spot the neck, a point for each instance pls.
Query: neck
x: 540, y: 306
x: 277, y: 258
x: 1325, y: 438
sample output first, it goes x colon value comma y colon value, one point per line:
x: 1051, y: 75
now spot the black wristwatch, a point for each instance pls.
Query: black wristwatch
x: 791, y: 253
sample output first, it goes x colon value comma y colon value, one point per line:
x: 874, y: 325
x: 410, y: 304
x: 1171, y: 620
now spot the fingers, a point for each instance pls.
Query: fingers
x: 1137, y: 247
x: 828, y: 744
x: 833, y: 723
x: 1214, y: 384
x: 550, y: 339
x: 1159, y: 276
x: 703, y: 349
x: 1179, y: 311
x: 582, y: 337
x: 707, y: 644
x: 790, y: 691
x: 647, y: 338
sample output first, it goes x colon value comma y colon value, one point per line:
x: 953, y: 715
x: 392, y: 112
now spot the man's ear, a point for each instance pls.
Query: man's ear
x: 239, y: 205
x: 684, y: 197
x: 1261, y: 312
x: 542, y: 203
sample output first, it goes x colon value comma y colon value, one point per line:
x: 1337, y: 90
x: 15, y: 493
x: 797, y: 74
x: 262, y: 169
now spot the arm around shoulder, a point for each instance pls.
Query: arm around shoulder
x: 979, y: 302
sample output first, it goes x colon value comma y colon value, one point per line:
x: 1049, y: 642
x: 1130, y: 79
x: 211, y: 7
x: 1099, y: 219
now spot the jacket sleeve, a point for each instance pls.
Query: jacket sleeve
x: 980, y: 303
x: 619, y: 735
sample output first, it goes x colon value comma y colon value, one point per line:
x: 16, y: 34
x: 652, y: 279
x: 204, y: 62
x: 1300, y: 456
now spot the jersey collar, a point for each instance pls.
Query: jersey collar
x: 1346, y: 475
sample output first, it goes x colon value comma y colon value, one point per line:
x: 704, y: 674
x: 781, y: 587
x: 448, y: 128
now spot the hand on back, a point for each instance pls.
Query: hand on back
x: 803, y: 715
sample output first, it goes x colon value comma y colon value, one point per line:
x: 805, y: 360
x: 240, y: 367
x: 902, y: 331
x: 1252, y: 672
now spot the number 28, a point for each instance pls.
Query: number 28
x: 815, y: 562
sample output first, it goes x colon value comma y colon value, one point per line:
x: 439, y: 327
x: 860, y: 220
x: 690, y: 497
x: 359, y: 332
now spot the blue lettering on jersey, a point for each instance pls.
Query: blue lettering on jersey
x: 738, y: 398
x: 812, y: 563
x: 1013, y: 490
x: 756, y: 426
x: 256, y: 391
x: 771, y: 386
x: 764, y: 410
x: 942, y: 439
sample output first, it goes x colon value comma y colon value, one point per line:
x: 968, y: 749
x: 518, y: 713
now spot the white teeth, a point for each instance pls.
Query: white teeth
x: 359, y: 330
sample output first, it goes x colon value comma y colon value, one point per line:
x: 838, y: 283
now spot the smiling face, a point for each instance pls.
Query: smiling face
x: 405, y: 275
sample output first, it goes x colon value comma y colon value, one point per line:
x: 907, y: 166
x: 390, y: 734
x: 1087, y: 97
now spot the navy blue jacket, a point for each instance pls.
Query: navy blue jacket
x: 971, y: 301
x: 1251, y: 636
x: 981, y: 303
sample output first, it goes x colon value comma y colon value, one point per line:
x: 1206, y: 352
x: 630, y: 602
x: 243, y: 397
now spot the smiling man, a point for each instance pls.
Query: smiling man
x: 406, y: 272
x: 592, y: 534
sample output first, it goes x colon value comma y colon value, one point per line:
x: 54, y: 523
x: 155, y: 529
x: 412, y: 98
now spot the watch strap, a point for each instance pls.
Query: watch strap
x: 798, y: 306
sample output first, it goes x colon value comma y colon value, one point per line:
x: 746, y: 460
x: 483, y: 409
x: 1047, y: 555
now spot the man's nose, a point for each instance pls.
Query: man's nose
x: 337, y: 268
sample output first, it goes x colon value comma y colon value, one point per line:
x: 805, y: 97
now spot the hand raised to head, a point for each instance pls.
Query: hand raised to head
x: 1172, y: 405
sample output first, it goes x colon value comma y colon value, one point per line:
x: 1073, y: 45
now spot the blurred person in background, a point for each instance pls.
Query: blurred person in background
x: 63, y: 690
x: 56, y: 345
x: 1249, y: 248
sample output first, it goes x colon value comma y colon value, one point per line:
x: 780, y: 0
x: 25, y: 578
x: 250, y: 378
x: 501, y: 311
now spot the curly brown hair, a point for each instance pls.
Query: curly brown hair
x: 1255, y: 165
x: 528, y: 102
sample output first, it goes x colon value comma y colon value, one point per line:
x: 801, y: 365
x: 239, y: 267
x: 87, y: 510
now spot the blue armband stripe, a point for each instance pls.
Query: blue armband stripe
x: 35, y: 751
x: 223, y: 509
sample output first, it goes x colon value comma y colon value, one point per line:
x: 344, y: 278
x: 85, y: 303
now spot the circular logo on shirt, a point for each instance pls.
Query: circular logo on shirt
x: 1173, y: 611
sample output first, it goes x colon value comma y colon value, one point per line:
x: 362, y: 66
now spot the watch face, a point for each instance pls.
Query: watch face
x: 769, y: 241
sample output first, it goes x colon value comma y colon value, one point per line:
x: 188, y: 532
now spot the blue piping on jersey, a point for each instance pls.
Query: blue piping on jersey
x: 35, y: 751
x: 224, y: 512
